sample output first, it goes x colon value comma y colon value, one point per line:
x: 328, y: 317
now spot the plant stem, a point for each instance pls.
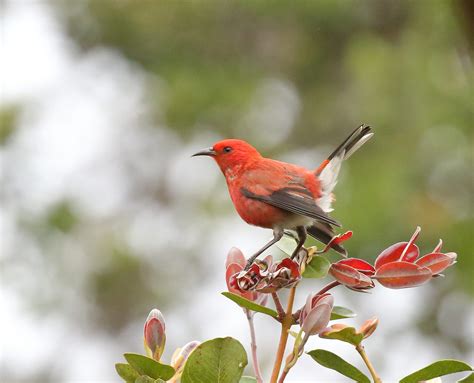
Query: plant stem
x: 361, y: 351
x: 253, y: 346
x: 278, y: 306
x: 286, y: 324
x: 291, y: 362
x: 328, y: 287
x: 283, y: 376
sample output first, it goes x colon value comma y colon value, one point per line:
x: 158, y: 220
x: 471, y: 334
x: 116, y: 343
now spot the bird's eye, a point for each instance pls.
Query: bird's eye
x: 227, y: 149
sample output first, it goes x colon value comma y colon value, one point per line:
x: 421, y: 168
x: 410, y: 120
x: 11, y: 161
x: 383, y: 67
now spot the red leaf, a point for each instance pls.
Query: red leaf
x: 341, y: 237
x: 230, y: 278
x: 437, y: 262
x: 394, y: 252
x: 359, y: 264
x: 400, y: 275
x: 235, y: 256
x: 293, y: 266
x: 231, y: 270
x: 349, y: 276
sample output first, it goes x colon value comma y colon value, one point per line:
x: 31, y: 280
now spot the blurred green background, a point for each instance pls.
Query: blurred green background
x: 104, y: 215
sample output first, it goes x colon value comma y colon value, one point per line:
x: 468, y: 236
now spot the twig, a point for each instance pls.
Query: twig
x: 361, y: 351
x: 278, y: 306
x: 294, y: 356
x: 253, y: 346
x: 285, y: 327
x: 328, y: 287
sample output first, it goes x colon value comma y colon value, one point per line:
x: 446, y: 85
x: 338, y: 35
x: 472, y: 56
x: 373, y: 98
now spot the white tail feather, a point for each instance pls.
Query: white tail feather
x: 361, y: 142
x: 328, y: 176
x: 328, y: 180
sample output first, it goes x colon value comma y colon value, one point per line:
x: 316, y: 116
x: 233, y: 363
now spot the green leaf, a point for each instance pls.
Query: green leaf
x: 436, y: 369
x: 339, y: 312
x: 467, y: 379
x: 328, y: 359
x: 287, y: 245
x: 245, y: 303
x: 145, y: 379
x: 147, y: 366
x: 220, y: 360
x: 317, y: 268
x: 248, y: 379
x: 348, y: 334
x: 126, y: 372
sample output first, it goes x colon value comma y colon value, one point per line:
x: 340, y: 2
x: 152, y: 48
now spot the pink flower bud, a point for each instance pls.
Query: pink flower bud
x: 154, y: 333
x: 369, y: 326
x: 316, y: 313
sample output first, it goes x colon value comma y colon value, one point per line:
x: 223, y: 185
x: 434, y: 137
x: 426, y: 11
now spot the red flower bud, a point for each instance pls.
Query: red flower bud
x: 350, y: 277
x: 154, y: 333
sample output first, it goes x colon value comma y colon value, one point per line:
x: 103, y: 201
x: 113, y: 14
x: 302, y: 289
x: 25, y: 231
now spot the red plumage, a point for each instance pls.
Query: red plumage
x: 278, y: 195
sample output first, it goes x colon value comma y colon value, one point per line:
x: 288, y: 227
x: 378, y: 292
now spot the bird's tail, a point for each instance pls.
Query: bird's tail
x: 328, y: 171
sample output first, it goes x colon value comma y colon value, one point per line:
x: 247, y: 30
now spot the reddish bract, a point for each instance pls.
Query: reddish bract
x: 397, y: 267
x: 400, y: 275
x: 358, y: 264
x: 393, y: 253
x: 402, y: 251
x: 437, y: 262
x: 284, y: 274
x: 235, y: 264
x: 337, y: 239
x: 350, y: 277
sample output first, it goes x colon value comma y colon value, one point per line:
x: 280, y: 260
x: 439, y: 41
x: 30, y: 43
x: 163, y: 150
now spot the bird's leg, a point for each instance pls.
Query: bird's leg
x: 301, y: 231
x: 277, y: 234
x: 291, y: 234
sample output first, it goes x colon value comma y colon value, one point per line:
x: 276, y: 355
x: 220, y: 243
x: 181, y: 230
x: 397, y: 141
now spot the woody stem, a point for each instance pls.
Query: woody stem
x: 361, y: 351
x: 253, y: 346
x: 285, y: 327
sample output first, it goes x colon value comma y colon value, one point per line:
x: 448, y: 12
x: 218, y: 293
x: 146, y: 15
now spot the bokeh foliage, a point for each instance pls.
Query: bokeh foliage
x: 404, y: 67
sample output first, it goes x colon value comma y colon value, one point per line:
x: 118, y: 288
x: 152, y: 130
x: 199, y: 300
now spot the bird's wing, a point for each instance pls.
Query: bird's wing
x: 295, y: 199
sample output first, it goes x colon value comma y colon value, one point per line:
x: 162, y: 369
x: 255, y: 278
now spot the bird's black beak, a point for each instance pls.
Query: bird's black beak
x: 205, y: 152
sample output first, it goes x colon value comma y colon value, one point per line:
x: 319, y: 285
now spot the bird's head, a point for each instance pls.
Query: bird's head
x: 231, y: 154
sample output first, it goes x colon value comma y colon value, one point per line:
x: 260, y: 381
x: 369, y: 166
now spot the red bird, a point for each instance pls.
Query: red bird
x: 278, y: 195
